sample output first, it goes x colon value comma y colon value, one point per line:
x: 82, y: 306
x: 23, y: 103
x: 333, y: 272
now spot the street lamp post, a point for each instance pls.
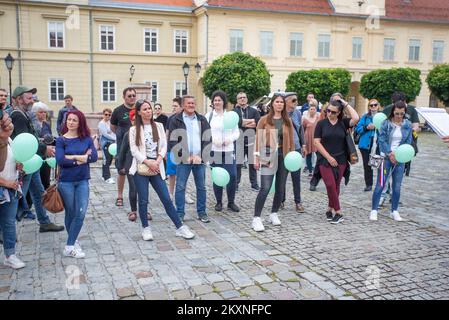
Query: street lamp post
x: 9, y: 61
x: 197, y: 69
x: 185, y: 70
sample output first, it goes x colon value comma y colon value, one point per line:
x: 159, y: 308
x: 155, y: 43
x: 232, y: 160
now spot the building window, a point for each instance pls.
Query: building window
x: 296, y: 40
x: 389, y: 45
x: 181, y: 41
x: 180, y: 88
x: 108, y: 91
x: 154, y: 91
x: 266, y: 43
x: 357, y: 43
x: 57, y: 90
x: 107, y: 38
x: 324, y: 44
x: 413, y: 50
x: 438, y: 50
x: 235, y: 40
x: 55, y: 34
x: 151, y: 36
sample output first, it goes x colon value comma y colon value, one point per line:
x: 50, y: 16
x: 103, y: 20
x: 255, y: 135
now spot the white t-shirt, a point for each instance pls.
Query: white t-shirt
x: 10, y: 171
x: 396, y: 137
x: 151, y: 146
x: 219, y: 134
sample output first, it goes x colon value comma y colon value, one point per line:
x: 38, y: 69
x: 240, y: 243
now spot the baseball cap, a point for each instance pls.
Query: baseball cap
x: 23, y: 89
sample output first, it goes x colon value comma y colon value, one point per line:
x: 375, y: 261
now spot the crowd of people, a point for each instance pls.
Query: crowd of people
x: 153, y: 147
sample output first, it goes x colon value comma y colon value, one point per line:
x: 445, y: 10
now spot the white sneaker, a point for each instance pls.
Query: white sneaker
x: 78, y: 246
x: 275, y: 219
x: 189, y: 200
x: 185, y: 232
x: 146, y: 234
x: 395, y: 215
x: 14, y: 262
x: 257, y: 224
x: 373, y: 215
x: 71, y: 251
x: 110, y: 181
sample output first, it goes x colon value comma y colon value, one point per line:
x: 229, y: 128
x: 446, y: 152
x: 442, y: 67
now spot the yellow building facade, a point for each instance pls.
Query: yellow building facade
x: 86, y: 48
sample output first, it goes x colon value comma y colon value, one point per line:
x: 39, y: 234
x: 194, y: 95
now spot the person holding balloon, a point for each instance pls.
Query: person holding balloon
x: 274, y: 140
x: 74, y: 151
x: 395, y: 138
x: 224, y: 130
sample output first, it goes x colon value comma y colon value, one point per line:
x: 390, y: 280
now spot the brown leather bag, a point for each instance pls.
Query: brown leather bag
x: 51, y: 199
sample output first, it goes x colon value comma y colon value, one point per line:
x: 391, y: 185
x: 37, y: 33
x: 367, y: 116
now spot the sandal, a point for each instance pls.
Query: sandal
x: 132, y: 216
x: 119, y: 202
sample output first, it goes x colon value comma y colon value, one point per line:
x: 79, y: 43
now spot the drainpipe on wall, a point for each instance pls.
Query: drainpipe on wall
x: 207, y: 55
x: 91, y: 64
x: 19, y: 50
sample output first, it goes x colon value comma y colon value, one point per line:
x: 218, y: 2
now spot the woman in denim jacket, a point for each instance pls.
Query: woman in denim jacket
x: 395, y: 131
x: 365, y: 128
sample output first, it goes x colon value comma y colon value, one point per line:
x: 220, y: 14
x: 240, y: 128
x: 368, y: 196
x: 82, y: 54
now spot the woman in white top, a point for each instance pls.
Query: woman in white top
x: 223, y: 150
x: 107, y: 137
x: 9, y: 192
x: 148, y: 145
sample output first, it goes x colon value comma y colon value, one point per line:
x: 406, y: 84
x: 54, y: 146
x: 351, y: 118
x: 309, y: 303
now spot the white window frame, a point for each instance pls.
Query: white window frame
x: 394, y: 49
x: 113, y: 38
x: 325, y: 44
x: 301, y: 40
x: 235, y: 40
x: 175, y: 83
x: 145, y: 38
x: 63, y: 34
x: 152, y: 83
x: 109, y: 93
x: 57, y: 87
x: 416, y: 50
x: 433, y: 51
x: 187, y: 41
x: 270, y: 45
x: 356, y: 47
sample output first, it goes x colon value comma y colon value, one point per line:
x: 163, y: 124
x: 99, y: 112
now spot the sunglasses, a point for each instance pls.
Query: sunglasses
x: 3, y: 95
x: 131, y: 96
x: 374, y: 105
x: 331, y: 111
x: 157, y: 109
x: 399, y: 113
x: 242, y: 98
x: 107, y: 114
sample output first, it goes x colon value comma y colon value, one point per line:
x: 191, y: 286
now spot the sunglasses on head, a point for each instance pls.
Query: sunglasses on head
x: 331, y: 111
x: 374, y: 105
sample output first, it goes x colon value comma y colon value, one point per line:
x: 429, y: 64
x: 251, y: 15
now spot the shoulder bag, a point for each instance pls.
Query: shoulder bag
x: 51, y: 199
x: 375, y: 160
x: 353, y: 157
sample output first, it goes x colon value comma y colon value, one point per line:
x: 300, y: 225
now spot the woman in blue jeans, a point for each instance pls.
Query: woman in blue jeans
x: 148, y: 145
x: 9, y: 192
x: 74, y: 151
x: 223, y: 150
x: 395, y: 131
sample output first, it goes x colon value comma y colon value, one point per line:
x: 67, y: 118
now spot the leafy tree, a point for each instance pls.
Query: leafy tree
x: 237, y: 72
x: 321, y: 82
x: 381, y: 84
x: 438, y: 81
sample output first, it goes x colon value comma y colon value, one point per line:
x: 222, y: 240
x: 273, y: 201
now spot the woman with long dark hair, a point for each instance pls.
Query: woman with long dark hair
x: 274, y: 139
x: 74, y: 151
x: 148, y: 145
x: 332, y: 155
x: 394, y: 131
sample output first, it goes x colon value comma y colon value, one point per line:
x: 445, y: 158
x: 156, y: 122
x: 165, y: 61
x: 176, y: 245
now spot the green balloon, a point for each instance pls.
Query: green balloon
x: 51, y: 162
x: 33, y: 165
x: 220, y: 176
x: 293, y: 161
x: 273, y: 185
x: 113, y: 149
x: 24, y: 146
x: 404, y: 153
x: 230, y: 120
x: 378, y: 119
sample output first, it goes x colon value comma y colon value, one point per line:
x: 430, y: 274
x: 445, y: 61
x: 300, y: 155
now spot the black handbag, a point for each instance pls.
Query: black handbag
x: 353, y: 157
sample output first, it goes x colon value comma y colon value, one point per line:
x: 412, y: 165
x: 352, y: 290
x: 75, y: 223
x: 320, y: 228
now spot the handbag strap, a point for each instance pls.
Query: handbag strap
x: 374, y: 147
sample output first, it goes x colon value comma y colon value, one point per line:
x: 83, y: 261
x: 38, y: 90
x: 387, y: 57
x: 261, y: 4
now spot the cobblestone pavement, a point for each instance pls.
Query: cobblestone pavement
x: 305, y: 258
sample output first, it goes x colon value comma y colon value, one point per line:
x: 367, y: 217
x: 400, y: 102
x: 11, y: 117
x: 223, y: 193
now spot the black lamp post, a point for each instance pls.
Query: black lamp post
x: 132, y: 69
x: 9, y: 61
x: 185, y: 70
x: 197, y: 68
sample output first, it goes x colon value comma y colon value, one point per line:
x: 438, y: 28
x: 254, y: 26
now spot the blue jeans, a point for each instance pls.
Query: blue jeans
x: 397, y: 173
x: 309, y: 162
x: 76, y: 198
x: 199, y: 175
x: 231, y: 168
x: 161, y: 189
x: 8, y: 211
x: 33, y: 183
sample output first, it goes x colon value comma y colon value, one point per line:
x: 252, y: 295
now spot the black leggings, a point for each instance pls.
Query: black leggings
x: 367, y: 170
x: 266, y: 179
x: 132, y: 193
